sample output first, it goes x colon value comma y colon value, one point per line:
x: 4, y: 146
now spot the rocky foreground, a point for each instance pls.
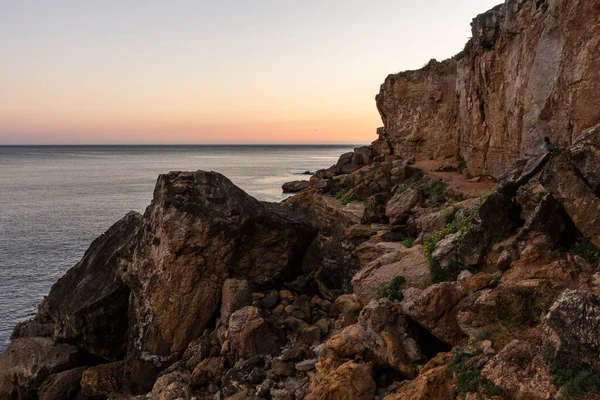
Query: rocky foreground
x: 401, y: 272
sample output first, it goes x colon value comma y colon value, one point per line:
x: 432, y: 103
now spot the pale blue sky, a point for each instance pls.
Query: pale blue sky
x: 205, y: 72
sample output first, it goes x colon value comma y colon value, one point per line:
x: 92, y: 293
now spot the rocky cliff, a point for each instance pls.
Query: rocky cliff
x: 530, y: 70
x: 390, y: 275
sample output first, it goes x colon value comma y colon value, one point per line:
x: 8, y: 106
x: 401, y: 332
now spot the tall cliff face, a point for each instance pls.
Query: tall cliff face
x: 531, y: 69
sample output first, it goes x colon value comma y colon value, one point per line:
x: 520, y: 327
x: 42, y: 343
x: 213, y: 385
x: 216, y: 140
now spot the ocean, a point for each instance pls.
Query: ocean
x: 54, y: 200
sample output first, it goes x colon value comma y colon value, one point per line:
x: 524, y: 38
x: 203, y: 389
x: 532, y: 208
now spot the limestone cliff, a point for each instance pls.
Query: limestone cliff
x: 531, y: 69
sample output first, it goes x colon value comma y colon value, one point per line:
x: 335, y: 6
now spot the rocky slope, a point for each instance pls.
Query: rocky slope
x: 530, y: 70
x: 389, y: 277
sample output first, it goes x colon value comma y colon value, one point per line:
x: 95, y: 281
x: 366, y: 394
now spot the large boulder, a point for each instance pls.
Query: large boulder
x: 349, y: 381
x: 62, y: 385
x: 433, y: 382
x: 103, y: 380
x: 572, y: 328
x: 89, y: 304
x: 250, y: 334
x: 567, y: 186
x: 399, y: 206
x: 27, y: 362
x: 410, y: 264
x: 382, y: 335
x: 586, y: 157
x: 199, y: 230
x: 294, y: 186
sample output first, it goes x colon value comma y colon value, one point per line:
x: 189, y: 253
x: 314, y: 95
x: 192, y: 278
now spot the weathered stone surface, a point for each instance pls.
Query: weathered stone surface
x: 63, y: 385
x: 520, y: 370
x: 175, y: 385
x: 349, y: 381
x: 433, y: 309
x: 573, y: 328
x: 410, y: 264
x: 88, y: 305
x: 434, y: 382
x: 531, y: 70
x: 560, y: 178
x: 27, y: 362
x: 236, y: 294
x: 586, y: 157
x: 397, y: 208
x: 295, y: 186
x: 250, y: 334
x: 103, y: 380
x: 200, y: 230
x: 32, y: 328
x: 382, y: 335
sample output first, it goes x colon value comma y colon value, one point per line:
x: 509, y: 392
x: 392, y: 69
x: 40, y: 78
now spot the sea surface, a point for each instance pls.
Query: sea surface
x: 54, y: 200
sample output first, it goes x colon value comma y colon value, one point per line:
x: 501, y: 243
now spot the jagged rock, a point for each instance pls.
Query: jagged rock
x: 344, y: 160
x: 27, y: 362
x: 349, y: 381
x: 520, y: 370
x: 200, y: 230
x: 330, y: 250
x: 89, y: 304
x: 444, y: 250
x: 235, y: 295
x: 410, y: 264
x: 560, y: 178
x: 362, y: 155
x: 586, y: 157
x: 572, y: 328
x: 103, y: 380
x: 63, y: 385
x: 382, y: 335
x: 499, y: 97
x: 32, y: 328
x: 397, y: 208
x: 306, y: 365
x: 348, y: 307
x: 250, y: 334
x: 524, y: 170
x: 433, y: 382
x: 295, y: 186
x: 208, y: 370
x: 433, y: 309
x: 359, y: 231
x: 282, y: 368
x: 175, y: 385
x: 521, y: 304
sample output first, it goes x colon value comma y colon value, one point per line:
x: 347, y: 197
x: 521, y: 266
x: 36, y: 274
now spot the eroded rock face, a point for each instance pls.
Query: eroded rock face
x: 27, y: 362
x: 88, y: 306
x: 573, y: 328
x: 200, y: 230
x: 531, y: 70
x: 349, y: 381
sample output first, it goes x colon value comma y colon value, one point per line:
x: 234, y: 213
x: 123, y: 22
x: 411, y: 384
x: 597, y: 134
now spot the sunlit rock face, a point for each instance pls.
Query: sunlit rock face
x: 531, y: 70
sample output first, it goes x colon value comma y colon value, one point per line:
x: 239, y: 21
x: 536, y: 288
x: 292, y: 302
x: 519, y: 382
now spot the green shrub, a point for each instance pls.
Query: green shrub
x: 439, y: 274
x: 462, y: 164
x: 401, y: 189
x: 342, y: 196
x: 577, y: 380
x: 470, y: 380
x: 587, y: 250
x: 450, y: 214
x: 393, y: 290
x: 540, y: 196
x: 368, y: 204
x: 434, y: 188
x: 408, y: 242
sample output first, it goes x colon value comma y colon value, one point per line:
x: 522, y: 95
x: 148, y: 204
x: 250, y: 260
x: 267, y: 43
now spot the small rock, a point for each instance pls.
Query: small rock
x: 281, y: 394
x: 265, y: 388
x: 282, y: 368
x: 464, y: 275
x: 306, y: 365
x: 291, y: 355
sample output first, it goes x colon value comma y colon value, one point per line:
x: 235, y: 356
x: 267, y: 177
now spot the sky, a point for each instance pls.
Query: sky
x: 229, y: 71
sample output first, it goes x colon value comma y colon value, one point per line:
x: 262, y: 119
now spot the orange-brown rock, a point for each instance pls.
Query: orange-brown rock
x: 531, y: 70
x: 349, y: 381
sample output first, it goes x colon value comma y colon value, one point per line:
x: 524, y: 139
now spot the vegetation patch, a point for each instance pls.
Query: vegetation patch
x: 408, y: 242
x: 369, y: 204
x: 587, y: 250
x: 401, y: 189
x: 577, y: 380
x: 433, y: 188
x: 342, y: 197
x: 526, y: 309
x: 439, y: 274
x: 540, y: 196
x: 470, y: 380
x: 450, y: 214
x: 393, y: 290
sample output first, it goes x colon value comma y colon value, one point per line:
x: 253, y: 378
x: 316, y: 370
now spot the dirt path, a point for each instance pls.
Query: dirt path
x: 457, y: 183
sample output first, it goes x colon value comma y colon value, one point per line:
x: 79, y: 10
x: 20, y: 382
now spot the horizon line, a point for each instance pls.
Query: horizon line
x: 177, y: 144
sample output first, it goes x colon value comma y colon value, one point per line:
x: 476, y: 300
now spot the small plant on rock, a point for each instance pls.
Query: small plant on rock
x: 434, y: 188
x: 439, y: 274
x: 450, y: 214
x: 342, y: 197
x: 408, y: 242
x: 393, y: 290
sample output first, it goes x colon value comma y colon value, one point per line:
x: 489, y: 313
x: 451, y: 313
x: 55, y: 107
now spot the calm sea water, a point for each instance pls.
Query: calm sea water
x: 55, y: 200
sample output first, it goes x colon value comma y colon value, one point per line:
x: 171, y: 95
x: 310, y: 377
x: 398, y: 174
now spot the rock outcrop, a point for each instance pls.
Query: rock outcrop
x: 531, y: 70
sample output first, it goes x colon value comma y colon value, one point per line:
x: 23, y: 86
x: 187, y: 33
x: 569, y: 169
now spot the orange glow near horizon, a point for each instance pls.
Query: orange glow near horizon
x: 212, y: 72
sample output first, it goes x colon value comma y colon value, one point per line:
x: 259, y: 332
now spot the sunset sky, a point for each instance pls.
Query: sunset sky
x: 230, y: 71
